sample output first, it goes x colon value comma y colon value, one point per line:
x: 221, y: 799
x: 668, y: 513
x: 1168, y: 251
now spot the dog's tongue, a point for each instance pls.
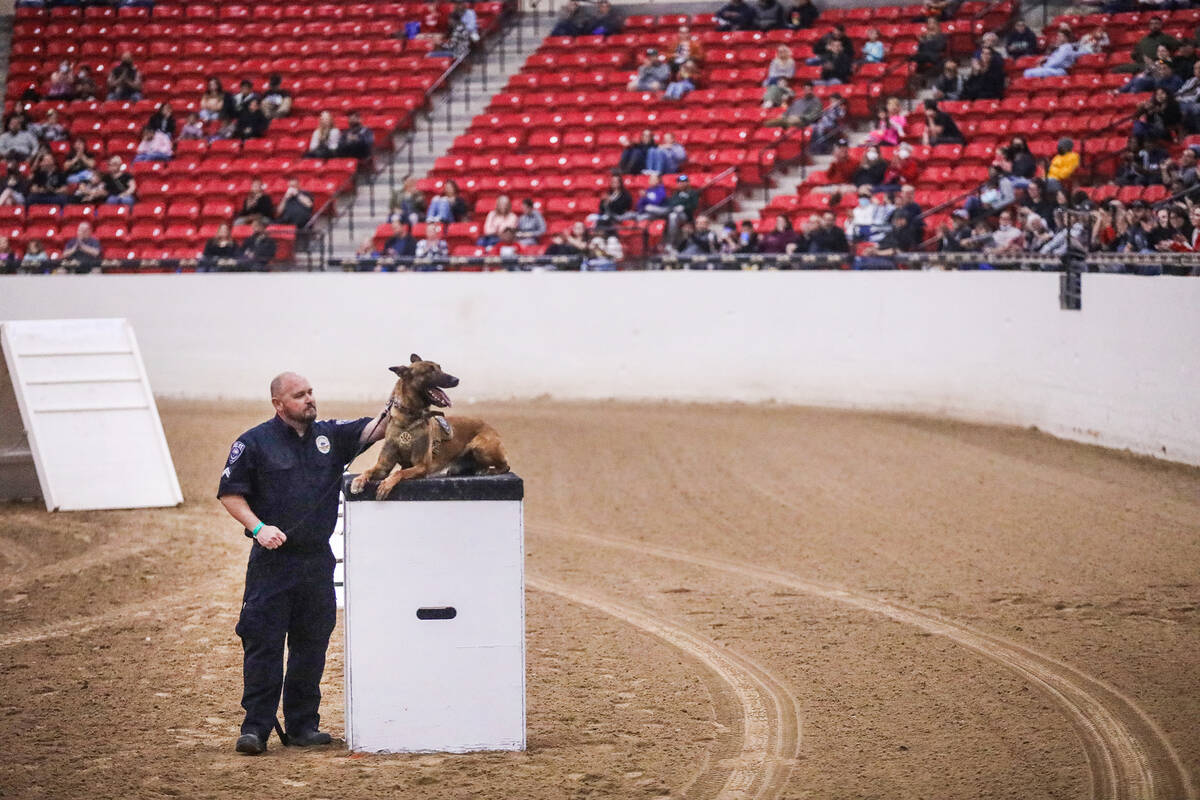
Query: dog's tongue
x: 440, y: 397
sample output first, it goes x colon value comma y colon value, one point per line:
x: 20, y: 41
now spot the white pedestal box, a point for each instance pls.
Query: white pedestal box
x: 435, y: 616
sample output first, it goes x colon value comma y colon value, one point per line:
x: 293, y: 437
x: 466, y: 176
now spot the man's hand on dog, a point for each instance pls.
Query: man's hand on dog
x: 270, y: 537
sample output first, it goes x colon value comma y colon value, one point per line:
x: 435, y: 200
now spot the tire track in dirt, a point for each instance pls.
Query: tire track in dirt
x: 1129, y: 755
x: 96, y: 557
x: 17, y: 558
x: 759, y: 759
x: 152, y: 610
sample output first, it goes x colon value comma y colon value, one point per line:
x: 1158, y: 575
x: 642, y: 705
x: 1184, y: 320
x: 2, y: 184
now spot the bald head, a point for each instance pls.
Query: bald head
x: 281, y: 381
x: 292, y: 396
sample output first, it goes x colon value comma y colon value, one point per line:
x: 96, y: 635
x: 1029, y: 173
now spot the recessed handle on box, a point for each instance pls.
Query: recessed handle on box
x: 437, y: 612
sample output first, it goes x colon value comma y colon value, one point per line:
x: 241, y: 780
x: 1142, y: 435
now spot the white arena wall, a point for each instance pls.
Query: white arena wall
x: 994, y: 347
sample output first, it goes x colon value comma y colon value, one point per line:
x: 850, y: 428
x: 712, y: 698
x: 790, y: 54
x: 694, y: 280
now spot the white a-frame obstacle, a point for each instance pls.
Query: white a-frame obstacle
x: 78, y: 423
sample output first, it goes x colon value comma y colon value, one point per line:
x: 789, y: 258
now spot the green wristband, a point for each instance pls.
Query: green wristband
x: 257, y: 528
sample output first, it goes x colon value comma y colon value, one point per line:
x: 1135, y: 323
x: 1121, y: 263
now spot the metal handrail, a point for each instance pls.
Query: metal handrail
x: 1181, y: 263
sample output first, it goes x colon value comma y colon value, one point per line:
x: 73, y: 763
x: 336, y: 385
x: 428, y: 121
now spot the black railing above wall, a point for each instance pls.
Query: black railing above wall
x: 1144, y: 263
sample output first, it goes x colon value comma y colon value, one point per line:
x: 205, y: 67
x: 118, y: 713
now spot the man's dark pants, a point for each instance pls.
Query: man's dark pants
x: 289, y: 597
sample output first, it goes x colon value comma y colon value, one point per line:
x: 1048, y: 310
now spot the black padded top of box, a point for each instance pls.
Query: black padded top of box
x: 508, y: 486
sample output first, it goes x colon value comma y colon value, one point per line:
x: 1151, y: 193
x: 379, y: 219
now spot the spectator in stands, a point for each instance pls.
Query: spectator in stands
x: 607, y: 20
x: 17, y: 143
x: 781, y: 238
x: 603, y: 253
x: 950, y: 83
x: 85, y: 87
x: 736, y: 15
x: 357, y: 141
x: 124, y: 80
x: 325, y: 139
x: 869, y: 220
x: 499, y: 218
x: 633, y: 157
x: 883, y: 132
x: 652, y: 74
x: 215, y: 104
x: 828, y: 126
x: 221, y: 247
x: 768, y: 15
x: 873, y: 51
x: 903, y: 168
x: 1007, y: 238
x: 908, y: 206
x: 687, y: 48
x: 531, y: 225
x: 1158, y: 75
x: 47, y: 184
x: 256, y: 205
x: 804, y: 110
x: 35, y: 257
x: 119, y: 185
x: 408, y: 202
x: 193, y: 127
x: 616, y: 205
x: 576, y: 238
x: 1060, y: 59
x: 13, y: 193
x: 940, y: 127
x: 836, y: 64
x: 241, y: 99
x: 828, y: 237
x: 447, y: 206
x: 682, y: 204
x: 983, y: 82
x: 401, y: 243
x: 433, y: 247
x: 258, y: 249
x: 871, y: 170
x: 940, y: 9
x: 296, y: 205
x: 955, y: 236
x: 163, y: 119
x: 572, y: 20
x: 653, y: 202
x: 841, y: 169
x: 995, y: 193
x: 899, y: 237
x: 802, y: 16
x: 92, y: 189
x: 745, y: 240
x: 61, y: 84
x: 1146, y: 49
x: 558, y: 246
x: 821, y: 46
x: 683, y: 83
x: 931, y: 47
x: 79, y: 166
x: 778, y: 94
x: 1181, y: 171
x: 1158, y: 118
x: 1016, y: 161
x: 84, y: 249
x: 1062, y: 166
x: 506, y: 247
x: 8, y: 258
x: 154, y: 146
x: 49, y: 129
x: 252, y: 123
x: 667, y: 157
x: 276, y: 100
x: 781, y: 68
x: 1020, y: 41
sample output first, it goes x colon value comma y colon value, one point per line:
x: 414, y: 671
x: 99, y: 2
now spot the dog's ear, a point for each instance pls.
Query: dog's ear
x: 400, y: 371
x: 414, y: 358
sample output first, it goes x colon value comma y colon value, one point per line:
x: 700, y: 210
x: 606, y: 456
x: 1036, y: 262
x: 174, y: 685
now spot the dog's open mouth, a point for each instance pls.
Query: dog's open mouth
x: 437, y: 397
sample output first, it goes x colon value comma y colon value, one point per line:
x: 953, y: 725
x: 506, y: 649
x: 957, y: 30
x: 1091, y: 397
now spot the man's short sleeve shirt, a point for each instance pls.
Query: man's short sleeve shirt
x: 292, y: 481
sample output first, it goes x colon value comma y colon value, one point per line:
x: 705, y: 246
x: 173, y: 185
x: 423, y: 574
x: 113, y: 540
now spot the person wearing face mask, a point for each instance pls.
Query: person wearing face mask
x: 868, y: 220
x: 903, y: 168
x: 872, y: 169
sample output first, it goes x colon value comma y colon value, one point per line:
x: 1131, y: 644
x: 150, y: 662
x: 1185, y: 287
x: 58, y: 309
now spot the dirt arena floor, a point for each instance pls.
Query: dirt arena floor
x: 723, y: 601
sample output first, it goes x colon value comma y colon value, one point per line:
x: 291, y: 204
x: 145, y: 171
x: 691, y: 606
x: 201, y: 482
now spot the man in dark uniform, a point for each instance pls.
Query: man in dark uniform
x: 281, y: 483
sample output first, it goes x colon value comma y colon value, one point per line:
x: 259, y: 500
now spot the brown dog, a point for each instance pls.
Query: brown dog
x: 421, y: 441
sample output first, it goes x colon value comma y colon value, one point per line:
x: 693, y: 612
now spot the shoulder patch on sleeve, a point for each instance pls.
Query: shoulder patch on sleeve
x: 236, y: 451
